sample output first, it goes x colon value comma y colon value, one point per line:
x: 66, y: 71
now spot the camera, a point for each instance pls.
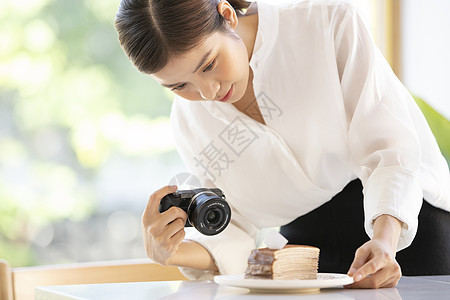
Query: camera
x: 206, y: 208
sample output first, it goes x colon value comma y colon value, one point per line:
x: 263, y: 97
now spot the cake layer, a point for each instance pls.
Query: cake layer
x: 291, y: 262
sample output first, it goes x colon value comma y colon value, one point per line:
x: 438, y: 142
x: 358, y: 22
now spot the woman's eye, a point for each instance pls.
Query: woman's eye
x: 209, y: 67
x: 181, y: 86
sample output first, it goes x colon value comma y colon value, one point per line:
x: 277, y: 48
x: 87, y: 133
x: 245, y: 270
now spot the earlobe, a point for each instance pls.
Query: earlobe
x: 227, y: 11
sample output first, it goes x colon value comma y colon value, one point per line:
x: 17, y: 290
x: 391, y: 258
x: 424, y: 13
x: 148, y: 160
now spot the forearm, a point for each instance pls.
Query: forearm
x: 192, y: 255
x: 387, y: 228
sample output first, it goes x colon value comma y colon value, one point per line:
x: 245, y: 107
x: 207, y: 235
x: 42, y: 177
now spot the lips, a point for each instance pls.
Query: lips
x: 228, y: 95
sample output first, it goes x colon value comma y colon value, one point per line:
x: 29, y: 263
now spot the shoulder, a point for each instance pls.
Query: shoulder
x: 312, y: 5
x: 315, y: 10
x: 331, y: 18
x: 303, y: 20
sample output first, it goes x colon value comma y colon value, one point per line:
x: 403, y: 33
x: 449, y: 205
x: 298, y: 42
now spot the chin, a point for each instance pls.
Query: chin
x: 242, y: 89
x: 238, y: 94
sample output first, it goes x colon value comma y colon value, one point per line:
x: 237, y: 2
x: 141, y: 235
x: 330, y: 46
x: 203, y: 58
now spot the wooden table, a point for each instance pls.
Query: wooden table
x: 421, y: 287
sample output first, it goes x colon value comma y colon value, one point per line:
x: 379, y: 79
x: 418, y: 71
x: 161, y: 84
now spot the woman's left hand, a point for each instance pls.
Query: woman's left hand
x: 374, y: 265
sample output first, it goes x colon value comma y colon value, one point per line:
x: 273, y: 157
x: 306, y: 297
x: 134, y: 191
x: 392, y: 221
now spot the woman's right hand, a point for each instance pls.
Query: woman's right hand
x: 163, y: 232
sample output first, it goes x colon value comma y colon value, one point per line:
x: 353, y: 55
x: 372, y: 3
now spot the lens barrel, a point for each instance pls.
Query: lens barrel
x: 208, y: 213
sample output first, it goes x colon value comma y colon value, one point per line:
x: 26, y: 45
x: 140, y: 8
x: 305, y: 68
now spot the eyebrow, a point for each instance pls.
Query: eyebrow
x: 202, y: 61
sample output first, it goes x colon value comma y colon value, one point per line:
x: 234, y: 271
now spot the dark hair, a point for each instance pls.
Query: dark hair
x: 153, y: 31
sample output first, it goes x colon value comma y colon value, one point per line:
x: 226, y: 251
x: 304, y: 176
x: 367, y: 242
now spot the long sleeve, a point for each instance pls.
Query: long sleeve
x: 382, y: 136
x: 230, y: 248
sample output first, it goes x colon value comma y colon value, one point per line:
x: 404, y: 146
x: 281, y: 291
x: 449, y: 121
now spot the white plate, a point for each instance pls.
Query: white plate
x: 324, y: 280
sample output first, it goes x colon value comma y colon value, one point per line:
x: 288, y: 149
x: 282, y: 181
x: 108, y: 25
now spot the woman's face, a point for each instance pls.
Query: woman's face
x: 216, y: 69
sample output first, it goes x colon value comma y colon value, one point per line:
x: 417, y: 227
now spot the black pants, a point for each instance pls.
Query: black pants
x: 337, y: 229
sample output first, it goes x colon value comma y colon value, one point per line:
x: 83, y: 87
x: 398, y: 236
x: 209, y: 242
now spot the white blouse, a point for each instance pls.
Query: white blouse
x: 334, y: 111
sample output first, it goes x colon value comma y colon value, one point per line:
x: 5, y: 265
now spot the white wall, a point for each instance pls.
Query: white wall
x: 426, y: 51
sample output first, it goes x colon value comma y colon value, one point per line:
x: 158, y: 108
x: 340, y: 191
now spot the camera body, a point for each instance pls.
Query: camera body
x: 206, y: 208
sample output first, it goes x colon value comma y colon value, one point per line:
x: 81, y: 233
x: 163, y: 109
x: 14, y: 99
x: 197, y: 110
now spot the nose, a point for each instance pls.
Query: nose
x: 208, y: 89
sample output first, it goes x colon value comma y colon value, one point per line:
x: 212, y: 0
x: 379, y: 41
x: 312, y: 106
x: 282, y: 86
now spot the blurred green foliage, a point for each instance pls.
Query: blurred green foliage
x: 69, y: 97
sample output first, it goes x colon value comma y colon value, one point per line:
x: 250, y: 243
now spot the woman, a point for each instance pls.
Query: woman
x: 293, y: 112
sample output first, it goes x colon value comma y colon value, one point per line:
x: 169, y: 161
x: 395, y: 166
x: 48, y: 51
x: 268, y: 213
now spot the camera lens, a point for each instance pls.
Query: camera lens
x: 213, y: 217
x: 208, y: 213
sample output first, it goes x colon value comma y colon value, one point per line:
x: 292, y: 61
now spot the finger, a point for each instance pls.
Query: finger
x: 175, y: 226
x: 155, y: 200
x: 369, y: 268
x: 393, y: 277
x: 178, y: 237
x: 391, y: 282
x: 160, y: 223
x: 176, y: 240
x: 361, y: 257
x: 377, y: 280
x: 172, y: 214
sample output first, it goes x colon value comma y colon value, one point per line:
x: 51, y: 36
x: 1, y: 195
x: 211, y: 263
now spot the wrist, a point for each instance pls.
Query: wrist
x: 387, y: 229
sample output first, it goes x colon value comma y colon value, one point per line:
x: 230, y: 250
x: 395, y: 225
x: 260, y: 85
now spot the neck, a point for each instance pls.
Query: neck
x: 248, y: 99
x: 247, y: 29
